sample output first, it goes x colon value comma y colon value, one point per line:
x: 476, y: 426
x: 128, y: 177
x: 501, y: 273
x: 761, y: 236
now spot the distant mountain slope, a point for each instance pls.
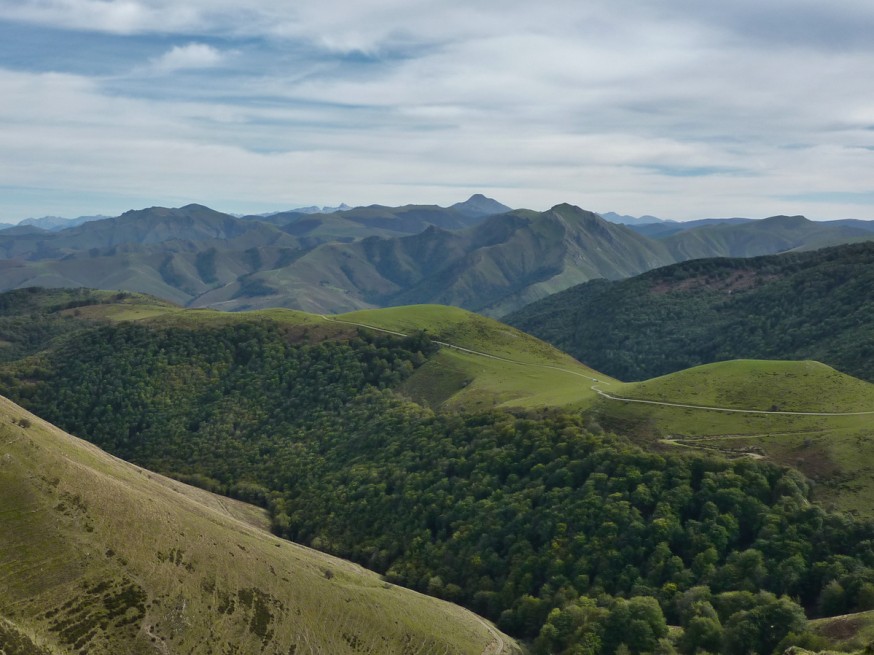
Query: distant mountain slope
x: 796, y: 231
x: 516, y: 258
x: 817, y: 305
x: 666, y: 229
x: 382, y: 221
x: 765, y: 237
x: 479, y: 206
x: 502, y: 263
x: 55, y: 223
x: 376, y: 256
x: 625, y: 219
x: 189, y: 228
x: 181, y: 254
x: 103, y: 557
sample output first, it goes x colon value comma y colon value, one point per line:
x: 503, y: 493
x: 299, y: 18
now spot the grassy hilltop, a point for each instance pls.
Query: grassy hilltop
x: 829, y: 439
x: 521, y: 371
x: 100, y: 556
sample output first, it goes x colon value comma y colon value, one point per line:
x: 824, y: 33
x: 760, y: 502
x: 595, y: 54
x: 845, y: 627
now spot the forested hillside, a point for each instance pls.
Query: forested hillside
x: 538, y: 520
x: 817, y: 305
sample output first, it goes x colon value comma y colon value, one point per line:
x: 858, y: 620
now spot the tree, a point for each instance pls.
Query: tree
x: 760, y: 629
x: 832, y: 599
x: 638, y: 623
x: 702, y: 633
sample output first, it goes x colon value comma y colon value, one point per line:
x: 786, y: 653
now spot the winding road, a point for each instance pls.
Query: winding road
x: 600, y: 392
x: 604, y: 394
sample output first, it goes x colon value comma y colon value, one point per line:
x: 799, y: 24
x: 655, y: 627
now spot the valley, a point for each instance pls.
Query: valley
x: 402, y: 328
x: 463, y: 458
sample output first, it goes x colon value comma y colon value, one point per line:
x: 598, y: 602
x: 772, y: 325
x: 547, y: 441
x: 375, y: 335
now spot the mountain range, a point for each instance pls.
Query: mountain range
x: 476, y: 254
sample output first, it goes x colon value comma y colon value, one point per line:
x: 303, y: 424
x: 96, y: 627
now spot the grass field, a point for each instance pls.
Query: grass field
x: 522, y: 372
x: 836, y: 452
x: 759, y: 385
x: 100, y: 556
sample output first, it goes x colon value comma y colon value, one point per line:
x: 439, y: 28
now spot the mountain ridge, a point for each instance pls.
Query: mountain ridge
x: 373, y: 256
x: 803, y: 305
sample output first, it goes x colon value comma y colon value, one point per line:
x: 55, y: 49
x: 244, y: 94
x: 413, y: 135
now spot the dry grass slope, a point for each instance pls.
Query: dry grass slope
x: 99, y: 556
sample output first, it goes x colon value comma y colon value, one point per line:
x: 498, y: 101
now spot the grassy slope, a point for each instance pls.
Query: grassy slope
x: 833, y: 450
x: 538, y: 375
x: 760, y: 384
x: 100, y: 556
x: 849, y: 633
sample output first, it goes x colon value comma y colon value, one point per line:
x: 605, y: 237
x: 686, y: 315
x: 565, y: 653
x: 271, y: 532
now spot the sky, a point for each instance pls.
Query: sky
x: 679, y: 108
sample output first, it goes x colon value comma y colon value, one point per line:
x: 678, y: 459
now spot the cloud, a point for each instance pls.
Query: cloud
x: 113, y: 16
x: 190, y: 56
x: 677, y: 108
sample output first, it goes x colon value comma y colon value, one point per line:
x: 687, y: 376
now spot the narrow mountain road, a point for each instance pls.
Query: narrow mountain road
x: 468, y: 350
x: 604, y: 394
x: 600, y: 392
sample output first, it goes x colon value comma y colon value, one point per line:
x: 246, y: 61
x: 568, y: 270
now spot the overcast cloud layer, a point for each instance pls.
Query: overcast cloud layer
x: 679, y: 108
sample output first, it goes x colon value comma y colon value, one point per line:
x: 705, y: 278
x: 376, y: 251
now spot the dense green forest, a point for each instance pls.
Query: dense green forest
x: 815, y: 305
x: 30, y: 319
x: 575, y: 539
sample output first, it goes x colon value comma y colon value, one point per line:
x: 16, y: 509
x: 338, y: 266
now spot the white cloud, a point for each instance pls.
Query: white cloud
x: 113, y: 16
x: 606, y: 104
x: 190, y: 56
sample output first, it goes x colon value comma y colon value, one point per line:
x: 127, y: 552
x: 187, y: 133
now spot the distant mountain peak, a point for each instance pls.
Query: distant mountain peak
x: 479, y: 205
x: 566, y: 206
x: 567, y: 210
x: 195, y: 206
x: 315, y: 209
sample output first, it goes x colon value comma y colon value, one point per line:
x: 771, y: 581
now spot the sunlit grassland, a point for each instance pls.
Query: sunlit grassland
x: 523, y: 372
x: 804, y: 386
x: 836, y: 452
x: 103, y: 556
